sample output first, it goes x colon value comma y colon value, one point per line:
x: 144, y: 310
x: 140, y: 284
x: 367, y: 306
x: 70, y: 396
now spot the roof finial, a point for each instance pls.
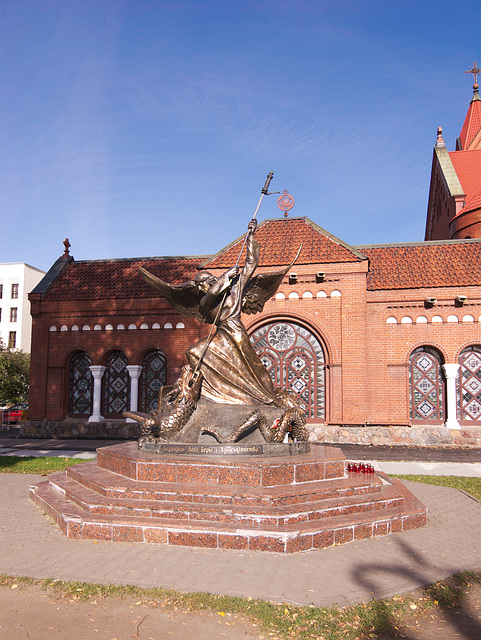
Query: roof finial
x: 475, y: 71
x: 67, y: 246
x: 440, y: 140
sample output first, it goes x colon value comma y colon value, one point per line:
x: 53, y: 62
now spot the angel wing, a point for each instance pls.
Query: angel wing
x: 184, y: 298
x: 262, y: 287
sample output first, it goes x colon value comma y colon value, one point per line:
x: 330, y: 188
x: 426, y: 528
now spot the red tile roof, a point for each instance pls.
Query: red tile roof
x: 425, y: 265
x: 473, y: 204
x: 472, y: 124
x: 454, y: 263
x: 280, y: 239
x: 467, y: 165
x: 120, y: 279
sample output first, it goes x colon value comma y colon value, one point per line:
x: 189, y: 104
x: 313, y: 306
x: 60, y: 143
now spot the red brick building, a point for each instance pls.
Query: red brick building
x: 381, y: 343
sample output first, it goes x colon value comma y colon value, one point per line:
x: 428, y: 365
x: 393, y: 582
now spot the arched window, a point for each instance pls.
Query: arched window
x: 469, y: 384
x: 80, y: 385
x: 426, y: 385
x: 116, y: 385
x: 154, y: 376
x: 295, y: 359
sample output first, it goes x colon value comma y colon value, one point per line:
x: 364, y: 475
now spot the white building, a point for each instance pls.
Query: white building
x: 17, y: 279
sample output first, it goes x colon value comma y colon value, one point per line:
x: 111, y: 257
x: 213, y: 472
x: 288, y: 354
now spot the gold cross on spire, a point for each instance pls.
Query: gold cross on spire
x: 474, y: 71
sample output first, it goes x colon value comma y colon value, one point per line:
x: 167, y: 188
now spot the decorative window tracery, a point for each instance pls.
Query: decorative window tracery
x: 154, y: 376
x: 426, y: 385
x: 469, y: 384
x: 80, y: 385
x: 295, y: 360
x: 116, y: 384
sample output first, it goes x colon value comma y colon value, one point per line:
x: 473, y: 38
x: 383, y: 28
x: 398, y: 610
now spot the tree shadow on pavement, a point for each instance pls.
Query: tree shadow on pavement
x: 449, y: 596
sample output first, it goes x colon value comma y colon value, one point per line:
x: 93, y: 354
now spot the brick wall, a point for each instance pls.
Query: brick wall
x: 366, y: 357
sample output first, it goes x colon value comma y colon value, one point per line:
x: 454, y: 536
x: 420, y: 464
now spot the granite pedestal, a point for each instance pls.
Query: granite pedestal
x: 284, y: 504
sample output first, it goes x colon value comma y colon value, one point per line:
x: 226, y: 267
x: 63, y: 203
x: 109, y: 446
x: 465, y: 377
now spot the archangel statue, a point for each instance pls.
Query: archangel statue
x: 223, y: 367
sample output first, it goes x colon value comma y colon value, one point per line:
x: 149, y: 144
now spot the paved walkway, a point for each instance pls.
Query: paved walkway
x: 30, y: 545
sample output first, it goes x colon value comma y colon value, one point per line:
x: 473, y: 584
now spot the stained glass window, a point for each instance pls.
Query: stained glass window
x: 116, y: 384
x: 154, y: 376
x: 80, y: 385
x: 295, y: 360
x: 426, y: 385
x: 469, y: 384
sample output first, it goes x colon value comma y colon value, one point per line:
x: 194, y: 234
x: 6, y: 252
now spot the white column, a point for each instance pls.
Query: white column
x: 97, y: 372
x: 451, y: 371
x: 134, y: 372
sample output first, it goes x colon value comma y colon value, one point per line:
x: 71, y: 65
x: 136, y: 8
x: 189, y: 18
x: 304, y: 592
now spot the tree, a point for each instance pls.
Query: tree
x: 14, y: 375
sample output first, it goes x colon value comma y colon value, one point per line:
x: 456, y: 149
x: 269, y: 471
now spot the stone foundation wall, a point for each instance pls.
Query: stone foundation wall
x: 83, y: 430
x: 419, y: 436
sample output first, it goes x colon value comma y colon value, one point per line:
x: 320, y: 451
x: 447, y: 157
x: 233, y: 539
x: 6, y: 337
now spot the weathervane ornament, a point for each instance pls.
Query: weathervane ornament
x: 285, y: 202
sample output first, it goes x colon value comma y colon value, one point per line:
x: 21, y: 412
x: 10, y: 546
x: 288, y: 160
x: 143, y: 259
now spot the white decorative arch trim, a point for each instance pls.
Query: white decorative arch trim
x: 293, y: 295
x: 436, y: 319
x: 406, y: 320
x: 336, y: 293
x: 391, y: 320
x: 421, y: 320
x: 53, y: 328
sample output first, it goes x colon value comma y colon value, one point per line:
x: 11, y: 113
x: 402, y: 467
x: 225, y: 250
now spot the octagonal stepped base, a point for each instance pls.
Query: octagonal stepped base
x: 283, y: 504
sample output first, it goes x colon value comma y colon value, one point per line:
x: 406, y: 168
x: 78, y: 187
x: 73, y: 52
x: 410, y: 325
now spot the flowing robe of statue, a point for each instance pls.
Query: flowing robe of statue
x: 232, y: 371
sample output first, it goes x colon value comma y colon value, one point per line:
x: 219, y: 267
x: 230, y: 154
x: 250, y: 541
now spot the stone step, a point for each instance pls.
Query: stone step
x: 321, y: 463
x: 276, y: 516
x: 112, y: 485
x: 76, y: 522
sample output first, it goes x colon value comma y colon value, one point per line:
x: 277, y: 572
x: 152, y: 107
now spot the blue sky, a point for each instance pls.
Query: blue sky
x: 147, y: 127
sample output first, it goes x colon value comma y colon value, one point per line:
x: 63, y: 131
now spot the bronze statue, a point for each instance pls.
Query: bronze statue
x: 224, y: 368
x: 232, y: 371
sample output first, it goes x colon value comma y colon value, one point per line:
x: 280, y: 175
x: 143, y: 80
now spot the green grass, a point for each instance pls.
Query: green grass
x: 470, y: 485
x: 372, y: 619
x: 30, y: 464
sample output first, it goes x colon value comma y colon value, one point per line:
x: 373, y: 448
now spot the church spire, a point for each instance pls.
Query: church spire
x: 470, y: 136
